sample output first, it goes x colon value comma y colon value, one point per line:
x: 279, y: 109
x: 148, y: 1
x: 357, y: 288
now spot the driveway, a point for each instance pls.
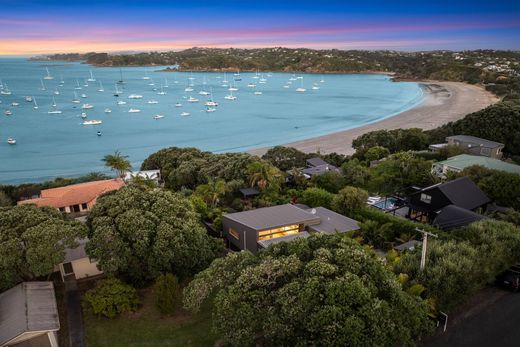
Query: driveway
x: 492, y: 319
x: 74, y: 314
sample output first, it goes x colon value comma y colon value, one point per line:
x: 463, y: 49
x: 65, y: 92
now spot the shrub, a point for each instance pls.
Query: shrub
x: 331, y: 181
x: 349, y: 199
x: 111, y: 297
x: 166, y: 293
x: 315, y: 197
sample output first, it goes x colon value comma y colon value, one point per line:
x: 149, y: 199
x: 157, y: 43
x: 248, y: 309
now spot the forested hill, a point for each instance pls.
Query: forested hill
x: 498, y: 70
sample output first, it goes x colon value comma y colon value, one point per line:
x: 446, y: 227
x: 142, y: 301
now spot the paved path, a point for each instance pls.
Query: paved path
x: 74, y: 315
x: 492, y: 321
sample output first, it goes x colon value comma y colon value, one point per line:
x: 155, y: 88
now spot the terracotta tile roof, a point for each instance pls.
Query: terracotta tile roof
x: 74, y: 194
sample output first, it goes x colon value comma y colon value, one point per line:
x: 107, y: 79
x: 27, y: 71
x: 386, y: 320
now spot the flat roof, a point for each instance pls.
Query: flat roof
x: 28, y: 307
x: 476, y: 140
x: 273, y: 217
x: 79, y: 252
x: 316, y: 161
x: 332, y: 222
x: 320, y: 169
x: 269, y: 242
x: 462, y: 161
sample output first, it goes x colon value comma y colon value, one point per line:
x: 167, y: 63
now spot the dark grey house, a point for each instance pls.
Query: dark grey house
x: 426, y: 204
x: 473, y: 145
x: 257, y: 229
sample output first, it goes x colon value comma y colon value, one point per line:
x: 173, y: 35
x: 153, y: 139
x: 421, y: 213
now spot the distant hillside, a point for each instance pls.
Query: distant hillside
x: 498, y: 70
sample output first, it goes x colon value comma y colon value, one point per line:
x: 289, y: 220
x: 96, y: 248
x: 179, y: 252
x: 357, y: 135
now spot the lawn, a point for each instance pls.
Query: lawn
x: 146, y: 327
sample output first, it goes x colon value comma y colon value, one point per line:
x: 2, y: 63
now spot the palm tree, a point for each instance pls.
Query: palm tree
x: 212, y: 191
x: 263, y: 175
x: 117, y: 162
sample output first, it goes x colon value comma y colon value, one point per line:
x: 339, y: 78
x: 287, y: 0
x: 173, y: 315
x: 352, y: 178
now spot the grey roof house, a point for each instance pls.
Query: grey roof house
x: 29, y: 315
x: 257, y: 229
x: 473, y: 145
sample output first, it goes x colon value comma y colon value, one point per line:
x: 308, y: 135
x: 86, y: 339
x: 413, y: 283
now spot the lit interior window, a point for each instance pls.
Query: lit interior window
x: 278, y: 232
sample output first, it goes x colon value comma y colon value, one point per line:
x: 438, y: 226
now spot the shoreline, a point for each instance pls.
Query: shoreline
x: 443, y: 102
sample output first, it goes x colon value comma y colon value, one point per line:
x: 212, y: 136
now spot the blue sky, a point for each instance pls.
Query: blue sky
x: 32, y: 27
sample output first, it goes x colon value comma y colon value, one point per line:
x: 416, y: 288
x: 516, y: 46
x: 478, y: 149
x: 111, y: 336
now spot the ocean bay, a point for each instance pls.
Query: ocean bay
x: 51, y: 145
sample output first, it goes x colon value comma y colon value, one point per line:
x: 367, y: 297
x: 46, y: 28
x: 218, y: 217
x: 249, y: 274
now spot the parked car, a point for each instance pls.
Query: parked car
x: 510, y: 278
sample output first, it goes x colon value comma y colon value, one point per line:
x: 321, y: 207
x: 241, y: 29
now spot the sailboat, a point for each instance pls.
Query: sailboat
x: 91, y: 79
x: 62, y: 82
x: 315, y: 86
x: 43, y: 85
x: 224, y: 81
x: 54, y: 109
x: 165, y: 85
x: 192, y: 99
x: 301, y: 89
x: 117, y: 92
x: 75, y: 100
x: 230, y: 96
x: 151, y: 83
x: 188, y: 88
x: 49, y: 76
x: 191, y: 78
x: 5, y: 90
x: 11, y: 141
x: 256, y: 76
x: 233, y: 88
x: 56, y: 92
x: 120, y: 77
x: 85, y: 84
x: 237, y: 76
x: 162, y: 92
x: 77, y: 87
x: 210, y: 102
x: 146, y: 77
x: 35, y: 103
x: 101, y: 89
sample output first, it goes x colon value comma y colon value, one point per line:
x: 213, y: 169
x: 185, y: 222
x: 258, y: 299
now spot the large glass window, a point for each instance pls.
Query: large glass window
x: 278, y: 232
x: 234, y: 233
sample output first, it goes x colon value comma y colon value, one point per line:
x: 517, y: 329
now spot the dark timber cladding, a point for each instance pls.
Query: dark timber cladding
x: 244, y: 229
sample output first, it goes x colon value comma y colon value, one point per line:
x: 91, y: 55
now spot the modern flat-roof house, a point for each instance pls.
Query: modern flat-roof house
x: 426, y: 204
x: 29, y: 316
x: 77, y: 263
x: 473, y: 145
x: 453, y: 217
x: 257, y: 229
x: 75, y: 198
x: 462, y: 161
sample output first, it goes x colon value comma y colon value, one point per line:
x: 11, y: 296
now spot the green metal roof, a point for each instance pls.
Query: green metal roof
x: 463, y: 161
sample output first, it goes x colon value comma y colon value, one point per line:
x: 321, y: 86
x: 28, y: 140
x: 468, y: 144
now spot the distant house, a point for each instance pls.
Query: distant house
x: 316, y: 166
x: 257, y: 229
x: 473, y: 145
x: 154, y: 175
x: 425, y: 204
x: 249, y: 192
x: 77, y: 263
x: 462, y: 161
x: 29, y: 316
x: 75, y: 198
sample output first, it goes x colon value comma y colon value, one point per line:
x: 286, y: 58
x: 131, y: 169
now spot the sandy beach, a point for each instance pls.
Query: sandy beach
x: 443, y: 102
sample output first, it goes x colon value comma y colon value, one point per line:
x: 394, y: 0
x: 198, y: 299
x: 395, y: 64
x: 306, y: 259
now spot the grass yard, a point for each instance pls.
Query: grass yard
x: 146, y: 327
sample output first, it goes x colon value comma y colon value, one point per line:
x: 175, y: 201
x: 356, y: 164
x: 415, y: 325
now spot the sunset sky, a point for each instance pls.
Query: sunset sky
x: 36, y: 27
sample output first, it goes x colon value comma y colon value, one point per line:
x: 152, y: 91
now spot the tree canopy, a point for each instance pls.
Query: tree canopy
x: 319, y: 291
x: 32, y: 241
x: 140, y: 234
x: 285, y: 158
x: 190, y: 167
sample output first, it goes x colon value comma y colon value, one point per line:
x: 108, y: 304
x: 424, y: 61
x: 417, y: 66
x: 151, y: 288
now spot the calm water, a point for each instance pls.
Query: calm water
x: 59, y: 145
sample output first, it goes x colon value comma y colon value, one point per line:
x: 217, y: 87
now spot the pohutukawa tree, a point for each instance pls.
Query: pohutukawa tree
x: 32, y: 241
x: 319, y: 291
x: 140, y: 234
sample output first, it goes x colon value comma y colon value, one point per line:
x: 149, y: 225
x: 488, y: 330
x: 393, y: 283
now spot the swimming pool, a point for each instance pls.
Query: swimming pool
x: 386, y: 204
